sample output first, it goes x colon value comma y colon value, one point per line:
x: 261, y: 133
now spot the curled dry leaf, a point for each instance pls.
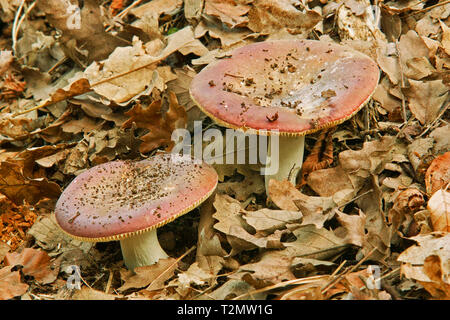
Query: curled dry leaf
x: 428, y: 263
x: 160, y: 125
x: 407, y: 203
x: 439, y: 207
x: 437, y: 175
x: 36, y: 263
x: 10, y: 284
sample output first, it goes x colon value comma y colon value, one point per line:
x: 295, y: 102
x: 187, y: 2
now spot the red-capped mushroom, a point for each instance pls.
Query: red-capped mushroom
x: 287, y: 89
x: 128, y: 201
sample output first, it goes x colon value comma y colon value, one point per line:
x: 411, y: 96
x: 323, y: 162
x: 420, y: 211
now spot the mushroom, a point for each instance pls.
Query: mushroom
x: 128, y: 201
x: 285, y: 89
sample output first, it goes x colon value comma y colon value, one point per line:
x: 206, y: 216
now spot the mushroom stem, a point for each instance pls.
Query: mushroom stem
x: 288, y: 157
x: 142, y: 250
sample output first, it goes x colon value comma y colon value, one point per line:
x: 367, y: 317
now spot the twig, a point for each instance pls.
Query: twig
x: 57, y: 64
x: 435, y: 120
x: 174, y: 263
x: 283, y: 284
x: 14, y: 27
x: 402, y: 79
x: 108, y: 284
x: 427, y: 9
x: 355, y: 198
x: 338, y: 278
x: 124, y: 12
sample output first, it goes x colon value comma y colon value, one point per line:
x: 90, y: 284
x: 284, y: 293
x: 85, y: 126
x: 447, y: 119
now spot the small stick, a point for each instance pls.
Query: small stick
x: 124, y: 12
x: 402, y: 79
x: 108, y: 284
x: 427, y: 9
x: 233, y: 75
x: 338, y: 278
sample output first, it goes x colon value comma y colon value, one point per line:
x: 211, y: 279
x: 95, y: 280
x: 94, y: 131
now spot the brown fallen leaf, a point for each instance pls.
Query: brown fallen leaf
x: 194, y: 275
x: 315, y: 243
x: 83, y: 34
x: 426, y: 98
x: 321, y: 156
x: 10, y: 284
x: 18, y: 187
x: 230, y: 12
x: 36, y: 263
x: 427, y: 263
x: 437, y: 175
x: 353, y: 226
x: 272, y: 267
x: 270, y: 16
x: 439, y: 207
x: 149, y: 277
x: 160, y: 126
x: 406, y: 204
x: 315, y: 210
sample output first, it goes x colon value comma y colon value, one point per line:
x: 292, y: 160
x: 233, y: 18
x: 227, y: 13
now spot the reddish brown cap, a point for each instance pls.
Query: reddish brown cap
x: 118, y: 199
x: 296, y: 87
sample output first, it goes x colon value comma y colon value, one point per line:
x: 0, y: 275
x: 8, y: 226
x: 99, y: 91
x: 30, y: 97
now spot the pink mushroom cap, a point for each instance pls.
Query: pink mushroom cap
x: 119, y: 199
x: 294, y: 86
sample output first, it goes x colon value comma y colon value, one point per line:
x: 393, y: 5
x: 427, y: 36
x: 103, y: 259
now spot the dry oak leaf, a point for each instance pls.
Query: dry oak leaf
x: 426, y: 98
x: 273, y: 267
x: 269, y: 16
x: 150, y: 277
x: 36, y: 263
x: 230, y: 12
x: 406, y: 204
x: 437, y: 175
x: 194, y: 275
x: 439, y: 207
x: 10, y: 284
x: 353, y: 226
x: 428, y: 262
x: 18, y: 187
x: 160, y: 126
x: 315, y: 243
x: 130, y: 72
x: 315, y: 210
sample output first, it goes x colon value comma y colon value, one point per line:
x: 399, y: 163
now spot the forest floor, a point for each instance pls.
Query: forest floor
x: 87, y: 82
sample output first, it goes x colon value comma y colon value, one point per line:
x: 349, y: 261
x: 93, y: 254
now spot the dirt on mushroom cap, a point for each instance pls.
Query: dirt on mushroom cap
x: 123, y: 198
x: 311, y: 84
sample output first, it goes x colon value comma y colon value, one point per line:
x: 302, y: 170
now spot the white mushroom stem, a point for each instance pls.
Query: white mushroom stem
x: 284, y: 158
x: 142, y: 250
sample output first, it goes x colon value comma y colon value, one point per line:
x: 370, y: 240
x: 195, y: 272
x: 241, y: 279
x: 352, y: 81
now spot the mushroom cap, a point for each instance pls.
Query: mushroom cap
x: 296, y: 87
x: 119, y: 199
